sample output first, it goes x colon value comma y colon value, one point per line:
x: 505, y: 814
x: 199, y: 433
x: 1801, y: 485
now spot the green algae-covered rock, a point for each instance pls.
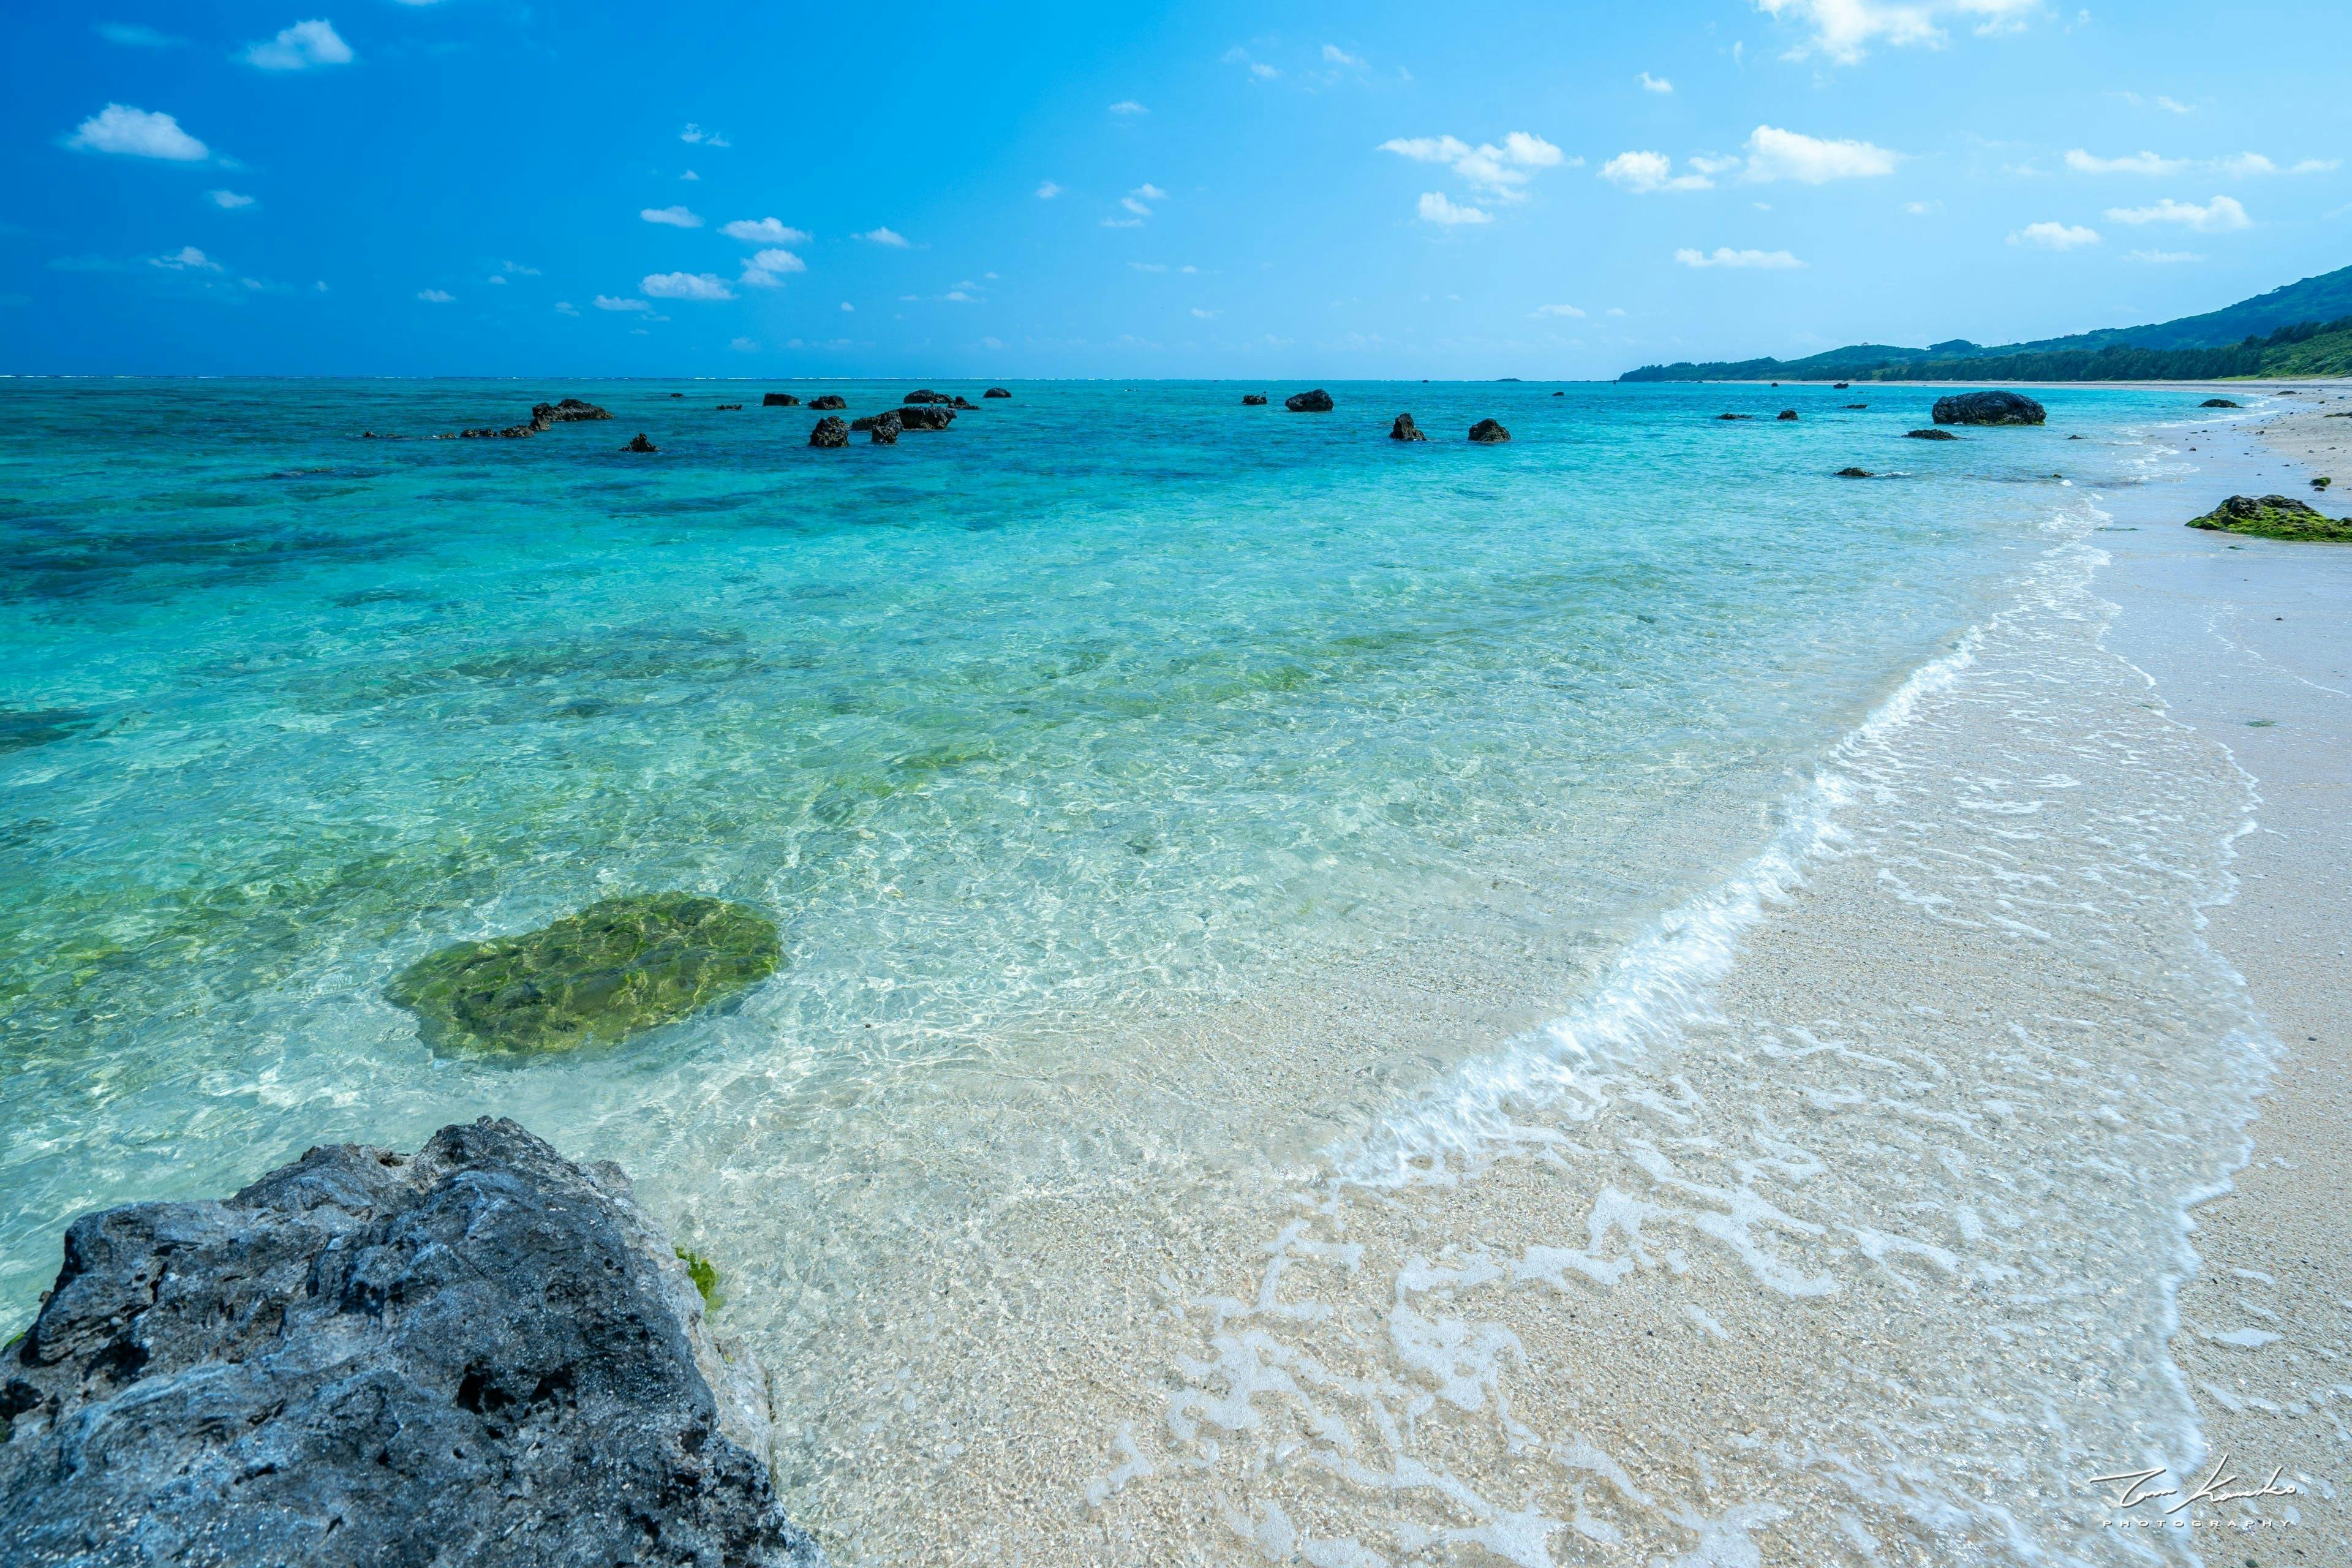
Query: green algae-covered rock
x: 2275, y: 517
x: 599, y: 976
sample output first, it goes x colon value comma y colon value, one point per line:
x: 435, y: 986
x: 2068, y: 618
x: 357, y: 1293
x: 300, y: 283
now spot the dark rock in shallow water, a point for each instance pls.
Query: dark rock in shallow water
x: 1489, y: 433
x: 2275, y: 517
x: 1839, y: 385
x: 1404, y: 429
x: 926, y: 394
x: 730, y: 407
x: 570, y: 410
x: 1252, y: 400
x: 677, y: 395
x: 1855, y: 474
x: 959, y: 403
x: 1316, y: 402
x: 2220, y: 402
x: 780, y: 400
x: 886, y: 428
x: 1734, y: 417
x: 1988, y: 408
x: 638, y: 443
x: 615, y: 968
x: 996, y: 392
x: 829, y: 400
x: 829, y: 431
x: 1786, y: 414
x: 1931, y: 436
x: 925, y: 417
x: 480, y: 1353
x: 1857, y: 405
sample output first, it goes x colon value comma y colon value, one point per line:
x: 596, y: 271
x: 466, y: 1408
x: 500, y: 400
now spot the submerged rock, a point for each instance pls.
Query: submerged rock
x: 638, y: 443
x: 996, y: 392
x: 479, y: 1353
x: 926, y: 394
x: 829, y: 400
x: 1857, y: 405
x: 730, y: 407
x: 614, y: 969
x: 1855, y: 474
x: 1734, y: 417
x: 925, y: 417
x: 1988, y: 408
x: 2275, y: 517
x: 1316, y: 402
x: 780, y: 400
x: 1252, y: 400
x: 2220, y: 402
x: 1489, y: 433
x: 829, y: 431
x: 1931, y: 435
x: 1404, y: 429
x: 1786, y: 414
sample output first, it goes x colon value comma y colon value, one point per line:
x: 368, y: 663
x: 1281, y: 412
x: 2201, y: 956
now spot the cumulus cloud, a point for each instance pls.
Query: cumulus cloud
x: 1047, y: 190
x: 1654, y: 83
x: 301, y: 47
x: 1645, y: 171
x: 228, y: 201
x: 187, y: 259
x: 1435, y: 208
x: 1128, y: 106
x: 436, y: 296
x: 675, y: 218
x: 766, y: 268
x: 701, y: 137
x: 1542, y: 311
x: 1497, y: 170
x: 606, y: 302
x: 764, y: 231
x: 136, y: 133
x: 685, y: 286
x: 880, y: 235
x: 1845, y: 29
x: 1334, y: 55
x: 2055, y: 235
x: 2217, y: 216
x: 1776, y: 154
x: 1206, y: 315
x: 1724, y: 255
x: 2084, y: 163
x: 566, y: 307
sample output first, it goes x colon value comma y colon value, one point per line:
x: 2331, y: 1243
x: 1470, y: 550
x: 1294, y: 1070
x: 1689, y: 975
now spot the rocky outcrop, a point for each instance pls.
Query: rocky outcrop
x: 1316, y: 402
x: 1252, y: 400
x: 829, y: 431
x: 1931, y: 435
x: 926, y: 394
x: 829, y: 400
x: 638, y: 443
x: 883, y: 430
x: 925, y: 417
x: 479, y: 1353
x: 1854, y: 405
x: 780, y: 400
x: 1404, y: 429
x: 996, y: 392
x: 1988, y: 408
x: 616, y: 968
x: 1855, y: 474
x: 568, y: 410
x: 1489, y: 433
x: 2275, y: 517
x: 2220, y: 402
x: 1734, y: 417
x: 1786, y: 414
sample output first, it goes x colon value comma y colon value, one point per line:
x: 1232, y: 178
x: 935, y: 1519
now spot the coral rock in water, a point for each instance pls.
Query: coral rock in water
x: 1316, y: 402
x: 1988, y: 408
x: 1489, y: 433
x: 2275, y: 517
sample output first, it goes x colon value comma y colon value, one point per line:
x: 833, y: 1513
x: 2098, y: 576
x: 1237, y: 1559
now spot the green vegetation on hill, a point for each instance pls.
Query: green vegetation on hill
x: 2302, y: 329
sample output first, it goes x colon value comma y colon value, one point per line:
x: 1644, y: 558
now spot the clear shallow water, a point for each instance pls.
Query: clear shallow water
x: 1148, y: 788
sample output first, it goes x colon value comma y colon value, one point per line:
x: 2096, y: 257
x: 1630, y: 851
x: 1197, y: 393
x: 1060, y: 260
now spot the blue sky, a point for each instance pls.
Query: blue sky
x: 483, y: 187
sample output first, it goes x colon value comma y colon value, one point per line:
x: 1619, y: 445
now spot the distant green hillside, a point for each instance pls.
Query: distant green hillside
x: 2298, y: 331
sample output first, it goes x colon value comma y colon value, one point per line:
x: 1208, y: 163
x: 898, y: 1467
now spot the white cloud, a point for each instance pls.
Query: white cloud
x: 2083, y: 162
x: 1724, y: 255
x: 1262, y: 71
x: 1334, y: 55
x: 1497, y: 170
x: 187, y: 259
x: 1137, y: 208
x: 2172, y: 105
x: 1047, y: 190
x: 1616, y: 310
x: 301, y: 47
x: 1122, y: 223
x: 744, y: 345
x: 1435, y: 208
x: 136, y: 133
x: 436, y: 296
x: 1427, y: 148
x: 517, y: 269
x: 2217, y: 215
x: 494, y: 278
x: 1206, y: 315
x: 696, y: 134
x: 879, y: 235
x: 1844, y: 29
x: 1644, y: 172
x: 2317, y: 167
x: 1920, y: 209
x: 1128, y: 106
x: 766, y: 268
x: 675, y: 218
x: 685, y: 286
x: 764, y: 231
x: 1776, y: 154
x: 1150, y: 193
x: 1654, y: 83
x: 566, y: 307
x: 2162, y: 258
x: 960, y: 296
x: 847, y: 306
x: 691, y: 175
x: 1149, y: 265
x: 2055, y: 235
x: 1542, y: 311
x: 606, y: 302
x: 228, y: 201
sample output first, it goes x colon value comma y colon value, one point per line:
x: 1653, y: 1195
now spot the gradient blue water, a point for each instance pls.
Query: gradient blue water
x: 1111, y: 702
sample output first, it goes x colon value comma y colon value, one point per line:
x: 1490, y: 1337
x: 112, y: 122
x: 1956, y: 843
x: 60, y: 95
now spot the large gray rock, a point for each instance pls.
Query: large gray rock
x: 1988, y: 408
x: 480, y: 1353
x: 925, y: 417
x: 1316, y: 402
